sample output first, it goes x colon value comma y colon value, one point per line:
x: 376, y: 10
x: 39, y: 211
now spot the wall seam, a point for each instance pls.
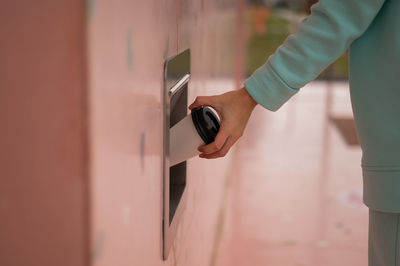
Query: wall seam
x: 85, y: 106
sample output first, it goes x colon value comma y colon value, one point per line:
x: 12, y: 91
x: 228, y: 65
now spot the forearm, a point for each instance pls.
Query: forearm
x: 322, y: 37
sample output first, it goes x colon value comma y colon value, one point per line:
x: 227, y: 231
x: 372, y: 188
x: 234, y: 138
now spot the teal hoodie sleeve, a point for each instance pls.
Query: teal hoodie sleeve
x: 322, y: 37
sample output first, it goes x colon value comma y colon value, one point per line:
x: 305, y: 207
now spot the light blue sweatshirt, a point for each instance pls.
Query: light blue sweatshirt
x: 371, y: 28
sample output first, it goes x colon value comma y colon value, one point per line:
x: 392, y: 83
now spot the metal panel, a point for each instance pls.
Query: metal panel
x: 175, y: 93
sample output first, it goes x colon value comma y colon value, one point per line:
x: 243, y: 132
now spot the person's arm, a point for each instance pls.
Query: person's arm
x: 322, y: 37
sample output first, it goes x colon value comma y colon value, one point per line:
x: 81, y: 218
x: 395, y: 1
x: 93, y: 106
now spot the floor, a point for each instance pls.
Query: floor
x: 296, y: 196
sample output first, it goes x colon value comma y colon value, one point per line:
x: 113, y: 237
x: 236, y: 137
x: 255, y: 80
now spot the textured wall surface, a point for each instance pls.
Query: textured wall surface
x: 81, y: 129
x: 128, y: 42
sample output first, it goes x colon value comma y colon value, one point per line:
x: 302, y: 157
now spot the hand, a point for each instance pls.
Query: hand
x: 234, y: 109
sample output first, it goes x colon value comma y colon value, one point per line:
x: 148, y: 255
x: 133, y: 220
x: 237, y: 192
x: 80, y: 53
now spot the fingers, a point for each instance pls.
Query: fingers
x: 203, y: 100
x: 218, y: 143
x: 225, y: 149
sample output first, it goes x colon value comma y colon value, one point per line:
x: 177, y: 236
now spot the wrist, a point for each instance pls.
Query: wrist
x: 248, y: 97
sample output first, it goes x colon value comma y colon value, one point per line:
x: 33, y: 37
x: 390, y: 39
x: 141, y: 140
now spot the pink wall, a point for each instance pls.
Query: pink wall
x: 81, y: 136
x: 127, y: 46
x: 43, y: 165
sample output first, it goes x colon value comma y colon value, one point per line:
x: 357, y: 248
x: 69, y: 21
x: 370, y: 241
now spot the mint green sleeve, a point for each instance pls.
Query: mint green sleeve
x: 322, y: 37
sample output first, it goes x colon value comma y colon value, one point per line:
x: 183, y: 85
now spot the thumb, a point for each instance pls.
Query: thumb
x: 204, y: 100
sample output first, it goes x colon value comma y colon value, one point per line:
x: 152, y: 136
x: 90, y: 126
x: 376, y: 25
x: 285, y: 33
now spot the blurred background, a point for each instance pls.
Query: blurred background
x: 82, y: 111
x: 270, y: 22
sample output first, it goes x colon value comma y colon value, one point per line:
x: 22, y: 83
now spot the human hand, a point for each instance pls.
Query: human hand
x: 234, y: 109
